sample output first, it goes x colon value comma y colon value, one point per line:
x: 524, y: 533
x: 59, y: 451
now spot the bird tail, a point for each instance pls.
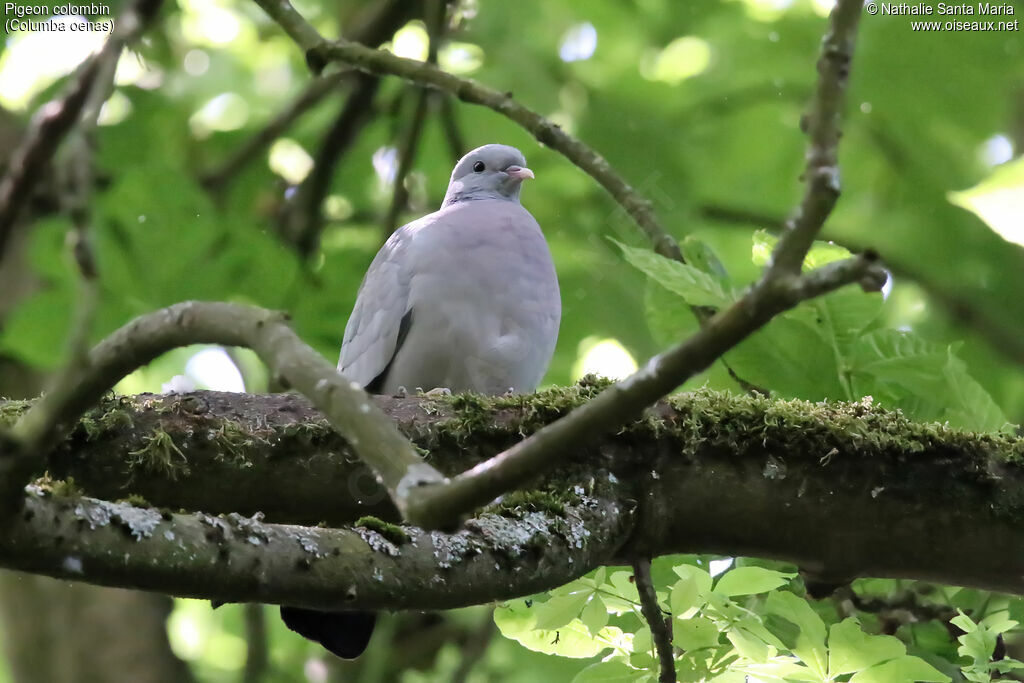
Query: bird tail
x: 345, y: 634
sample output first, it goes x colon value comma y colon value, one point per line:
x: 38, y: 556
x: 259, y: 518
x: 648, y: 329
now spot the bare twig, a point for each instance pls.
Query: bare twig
x: 450, y: 125
x: 660, y: 625
x: 475, y: 647
x: 302, y: 219
x: 319, y: 52
x: 436, y: 11
x: 822, y: 126
x: 347, y: 407
x: 55, y: 118
x: 217, y: 178
x: 257, y: 657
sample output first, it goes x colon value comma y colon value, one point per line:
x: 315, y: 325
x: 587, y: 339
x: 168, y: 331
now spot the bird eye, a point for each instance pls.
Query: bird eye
x: 479, y: 167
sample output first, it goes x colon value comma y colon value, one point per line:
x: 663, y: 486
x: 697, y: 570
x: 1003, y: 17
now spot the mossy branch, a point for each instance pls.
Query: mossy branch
x: 704, y: 473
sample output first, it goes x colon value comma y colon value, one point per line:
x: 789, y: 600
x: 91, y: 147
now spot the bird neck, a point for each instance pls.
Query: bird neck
x: 457, y: 192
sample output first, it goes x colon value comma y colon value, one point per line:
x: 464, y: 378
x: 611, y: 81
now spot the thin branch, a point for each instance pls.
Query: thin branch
x: 302, y: 219
x: 731, y: 214
x: 217, y: 178
x: 822, y: 126
x: 406, y: 157
x: 257, y: 657
x: 991, y: 328
x: 660, y: 625
x: 436, y: 12
x: 347, y: 407
x: 56, y: 118
x: 319, y: 52
x: 51, y: 123
x: 450, y: 124
x: 475, y: 647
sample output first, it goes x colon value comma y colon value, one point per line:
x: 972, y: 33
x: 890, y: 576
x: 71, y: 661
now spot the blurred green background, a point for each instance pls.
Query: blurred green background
x: 697, y: 104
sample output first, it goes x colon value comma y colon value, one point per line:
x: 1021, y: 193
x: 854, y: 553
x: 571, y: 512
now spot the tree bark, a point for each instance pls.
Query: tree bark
x: 843, y: 490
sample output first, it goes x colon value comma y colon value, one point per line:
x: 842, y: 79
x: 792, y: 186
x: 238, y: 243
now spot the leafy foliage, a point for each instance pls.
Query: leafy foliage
x: 698, y: 105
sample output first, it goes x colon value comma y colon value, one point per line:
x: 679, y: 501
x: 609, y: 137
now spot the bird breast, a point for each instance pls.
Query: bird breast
x: 485, y: 303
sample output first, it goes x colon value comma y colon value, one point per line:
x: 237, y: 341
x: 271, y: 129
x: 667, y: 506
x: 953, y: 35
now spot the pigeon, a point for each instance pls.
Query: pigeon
x: 463, y: 299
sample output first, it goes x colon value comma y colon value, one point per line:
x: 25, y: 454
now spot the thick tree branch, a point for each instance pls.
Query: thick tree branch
x: 843, y: 490
x: 344, y: 403
x: 507, y: 553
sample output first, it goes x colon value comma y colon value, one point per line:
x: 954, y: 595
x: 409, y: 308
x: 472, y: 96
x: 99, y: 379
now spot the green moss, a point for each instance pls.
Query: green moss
x: 59, y: 488
x: 741, y: 423
x: 473, y: 414
x: 111, y: 415
x: 135, y: 500
x: 514, y: 503
x: 232, y: 443
x: 11, y: 410
x: 391, y: 532
x: 159, y: 454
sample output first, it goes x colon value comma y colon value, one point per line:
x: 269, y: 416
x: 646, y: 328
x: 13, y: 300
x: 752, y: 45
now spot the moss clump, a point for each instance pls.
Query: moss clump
x: 473, y: 414
x: 392, y: 532
x: 135, y: 500
x: 745, y: 423
x: 232, y: 443
x: 59, y: 488
x: 515, y: 503
x: 159, y: 454
x: 110, y: 416
x: 11, y: 410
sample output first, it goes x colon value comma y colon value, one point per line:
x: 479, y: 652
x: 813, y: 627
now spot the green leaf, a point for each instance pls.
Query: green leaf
x: 810, y: 639
x: 685, y: 597
x: 850, y: 649
x: 517, y: 621
x: 559, y: 610
x: 701, y: 256
x: 789, y: 357
x: 751, y: 580
x: 821, y: 253
x: 905, y: 366
x: 594, y: 615
x: 694, y: 633
x: 904, y: 668
x: 608, y: 672
x: 750, y: 646
x: 668, y: 316
x: 697, y: 288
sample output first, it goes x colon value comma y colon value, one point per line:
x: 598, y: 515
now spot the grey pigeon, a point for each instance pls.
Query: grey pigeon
x: 465, y: 299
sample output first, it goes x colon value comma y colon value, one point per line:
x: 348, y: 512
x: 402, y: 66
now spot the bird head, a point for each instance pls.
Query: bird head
x: 488, y: 172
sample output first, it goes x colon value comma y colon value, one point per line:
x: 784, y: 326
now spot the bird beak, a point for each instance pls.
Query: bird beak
x: 519, y: 172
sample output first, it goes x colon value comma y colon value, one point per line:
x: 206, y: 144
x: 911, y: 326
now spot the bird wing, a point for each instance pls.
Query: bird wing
x: 382, y: 314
